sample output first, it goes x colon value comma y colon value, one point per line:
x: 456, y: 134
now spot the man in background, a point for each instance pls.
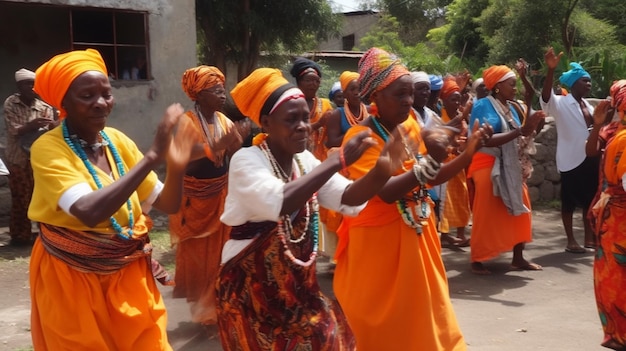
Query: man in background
x: 25, y: 116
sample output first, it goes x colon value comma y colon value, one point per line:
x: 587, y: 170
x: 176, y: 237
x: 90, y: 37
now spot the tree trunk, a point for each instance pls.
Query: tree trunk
x: 568, y: 40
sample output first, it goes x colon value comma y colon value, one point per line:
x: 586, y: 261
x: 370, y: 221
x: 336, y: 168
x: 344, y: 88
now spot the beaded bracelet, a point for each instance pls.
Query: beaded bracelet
x: 430, y: 167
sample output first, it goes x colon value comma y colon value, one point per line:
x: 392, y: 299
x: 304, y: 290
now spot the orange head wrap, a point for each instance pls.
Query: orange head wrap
x: 199, y: 78
x: 346, y: 77
x: 258, y: 92
x: 450, y: 86
x: 496, y: 74
x: 55, y: 76
x: 618, y: 96
x: 378, y: 69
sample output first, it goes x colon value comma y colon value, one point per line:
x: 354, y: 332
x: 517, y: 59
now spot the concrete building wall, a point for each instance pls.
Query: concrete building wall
x: 356, y: 23
x: 39, y: 32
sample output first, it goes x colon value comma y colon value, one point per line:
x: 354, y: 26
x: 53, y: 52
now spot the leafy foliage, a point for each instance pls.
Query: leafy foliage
x: 237, y: 31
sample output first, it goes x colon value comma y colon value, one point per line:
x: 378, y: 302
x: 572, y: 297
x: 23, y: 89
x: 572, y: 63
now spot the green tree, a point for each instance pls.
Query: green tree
x: 613, y: 11
x: 415, y: 17
x: 383, y: 35
x: 237, y: 31
x: 461, y: 35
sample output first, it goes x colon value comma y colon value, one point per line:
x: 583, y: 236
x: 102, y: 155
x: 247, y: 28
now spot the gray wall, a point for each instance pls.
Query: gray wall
x: 39, y: 32
x: 357, y: 23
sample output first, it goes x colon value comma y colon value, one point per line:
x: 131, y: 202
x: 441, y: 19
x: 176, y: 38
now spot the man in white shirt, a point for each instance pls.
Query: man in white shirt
x: 573, y: 117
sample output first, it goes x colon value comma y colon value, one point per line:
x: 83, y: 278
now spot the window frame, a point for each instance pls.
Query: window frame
x: 115, y: 45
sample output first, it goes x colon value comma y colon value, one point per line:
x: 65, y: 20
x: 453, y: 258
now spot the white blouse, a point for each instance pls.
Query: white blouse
x: 255, y: 194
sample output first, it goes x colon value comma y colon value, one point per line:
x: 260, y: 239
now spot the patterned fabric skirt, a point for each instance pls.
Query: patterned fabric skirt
x: 609, y: 272
x: 266, y: 302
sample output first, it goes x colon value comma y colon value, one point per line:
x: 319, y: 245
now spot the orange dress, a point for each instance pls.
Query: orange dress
x: 199, y: 235
x: 494, y: 230
x: 609, y: 212
x: 120, y: 309
x: 391, y: 281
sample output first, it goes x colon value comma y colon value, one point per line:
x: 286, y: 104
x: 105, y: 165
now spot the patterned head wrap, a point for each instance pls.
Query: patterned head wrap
x: 378, y: 69
x: 24, y: 74
x: 450, y: 86
x: 334, y: 90
x: 436, y: 82
x: 55, y: 76
x: 420, y: 77
x: 199, y: 78
x: 575, y: 73
x: 346, y: 77
x: 496, y: 74
x: 618, y: 97
x: 302, y: 66
x: 260, y: 92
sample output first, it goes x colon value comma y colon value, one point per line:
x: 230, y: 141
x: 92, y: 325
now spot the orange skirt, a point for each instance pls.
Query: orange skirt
x: 391, y: 284
x: 72, y: 310
x: 494, y: 230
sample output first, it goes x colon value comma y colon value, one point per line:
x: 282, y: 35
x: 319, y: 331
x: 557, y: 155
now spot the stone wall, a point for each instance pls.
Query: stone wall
x: 545, y: 183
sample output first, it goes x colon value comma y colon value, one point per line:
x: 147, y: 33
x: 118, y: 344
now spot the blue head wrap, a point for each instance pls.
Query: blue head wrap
x: 436, y: 82
x: 334, y: 90
x: 570, y: 77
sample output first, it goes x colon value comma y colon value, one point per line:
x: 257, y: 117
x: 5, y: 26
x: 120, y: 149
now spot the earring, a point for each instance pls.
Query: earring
x: 497, y: 90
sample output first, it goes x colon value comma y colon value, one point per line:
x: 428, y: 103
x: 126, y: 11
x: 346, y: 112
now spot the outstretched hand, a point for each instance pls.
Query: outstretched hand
x: 551, y: 59
x: 356, y: 146
x: 521, y: 67
x: 437, y: 141
x: 182, y: 145
x: 532, y: 122
x: 603, y: 113
x: 164, y: 133
x: 479, y: 137
x: 395, y: 151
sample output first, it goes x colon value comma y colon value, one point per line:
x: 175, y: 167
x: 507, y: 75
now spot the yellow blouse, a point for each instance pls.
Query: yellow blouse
x: 56, y: 168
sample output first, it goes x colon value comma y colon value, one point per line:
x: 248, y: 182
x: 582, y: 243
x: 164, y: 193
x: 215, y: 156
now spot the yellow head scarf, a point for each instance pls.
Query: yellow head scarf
x: 55, y: 76
x: 252, y: 93
x: 346, y: 77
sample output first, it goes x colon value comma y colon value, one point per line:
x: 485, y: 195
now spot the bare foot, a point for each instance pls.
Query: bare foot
x: 478, y: 268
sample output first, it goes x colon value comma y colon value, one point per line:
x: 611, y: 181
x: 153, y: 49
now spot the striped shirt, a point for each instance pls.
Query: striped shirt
x: 16, y: 115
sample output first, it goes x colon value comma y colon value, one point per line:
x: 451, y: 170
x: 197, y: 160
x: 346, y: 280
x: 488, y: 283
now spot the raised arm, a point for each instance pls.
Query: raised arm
x: 551, y: 60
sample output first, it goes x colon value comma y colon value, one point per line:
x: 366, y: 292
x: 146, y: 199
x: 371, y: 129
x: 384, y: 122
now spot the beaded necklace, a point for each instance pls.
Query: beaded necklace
x: 285, y: 227
x: 352, y: 119
x: 421, y: 197
x: 74, y: 143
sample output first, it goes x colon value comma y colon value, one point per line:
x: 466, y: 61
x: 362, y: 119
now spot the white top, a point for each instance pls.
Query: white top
x: 256, y: 195
x: 571, y: 128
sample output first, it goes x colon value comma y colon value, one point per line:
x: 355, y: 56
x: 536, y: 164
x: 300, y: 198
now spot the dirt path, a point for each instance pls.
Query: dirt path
x: 509, y: 310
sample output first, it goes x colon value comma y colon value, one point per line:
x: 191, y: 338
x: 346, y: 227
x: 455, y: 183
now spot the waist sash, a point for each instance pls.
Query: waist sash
x: 93, y: 252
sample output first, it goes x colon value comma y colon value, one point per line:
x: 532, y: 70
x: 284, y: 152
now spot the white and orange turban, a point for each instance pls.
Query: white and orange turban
x: 55, y: 76
x: 199, y: 78
x: 496, y: 74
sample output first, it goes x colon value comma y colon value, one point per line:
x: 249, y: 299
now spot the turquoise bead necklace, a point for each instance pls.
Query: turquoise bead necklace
x: 74, y: 143
x: 421, y: 201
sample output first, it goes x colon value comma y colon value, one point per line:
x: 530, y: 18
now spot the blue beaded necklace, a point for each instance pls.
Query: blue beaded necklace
x: 74, y: 144
x: 420, y: 200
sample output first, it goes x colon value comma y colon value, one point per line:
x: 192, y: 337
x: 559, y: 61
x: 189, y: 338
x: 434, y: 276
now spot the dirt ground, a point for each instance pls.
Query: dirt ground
x: 509, y: 310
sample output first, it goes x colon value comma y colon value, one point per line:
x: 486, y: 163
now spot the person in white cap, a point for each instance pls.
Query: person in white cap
x: 25, y: 116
